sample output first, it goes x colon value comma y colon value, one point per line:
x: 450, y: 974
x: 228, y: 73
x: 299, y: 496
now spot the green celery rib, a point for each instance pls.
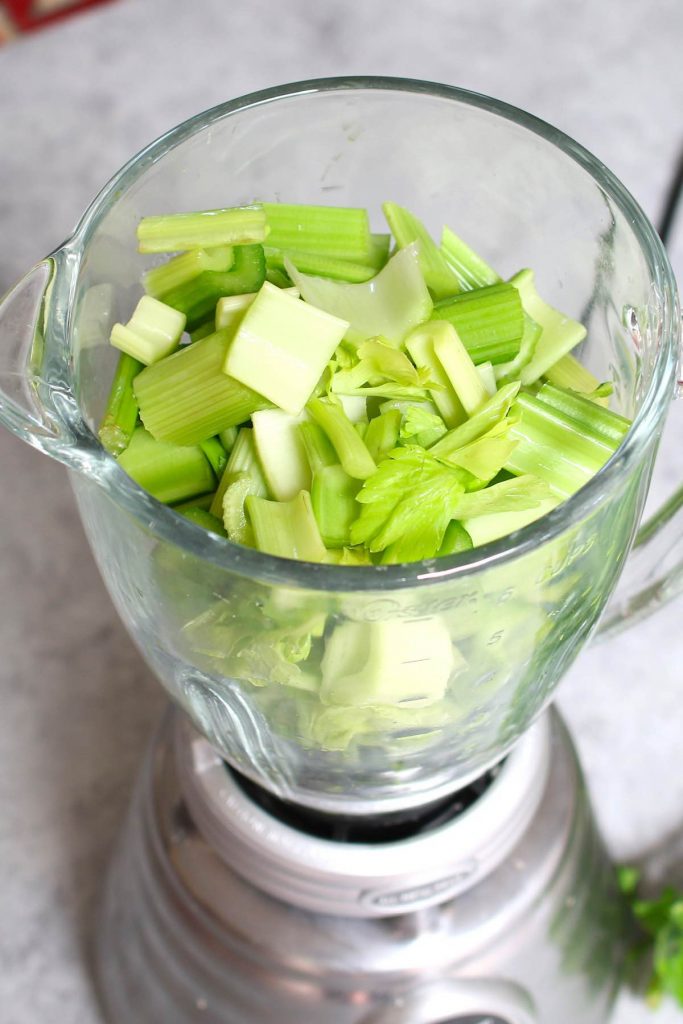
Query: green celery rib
x: 568, y: 372
x: 204, y: 330
x: 278, y: 277
x: 336, y: 231
x: 319, y: 451
x: 203, y: 502
x: 495, y: 410
x: 240, y: 225
x: 461, y: 372
x: 551, y: 447
x: 197, y: 299
x: 351, y: 449
x: 420, y: 345
x: 559, y: 332
x: 507, y: 372
x: 187, y: 398
x: 228, y: 437
x: 168, y: 472
x: 286, y: 528
x: 439, y: 277
x: 121, y: 414
x: 216, y: 454
x: 333, y: 496
x: 455, y: 539
x: 186, y: 267
x: 472, y: 271
x: 381, y: 437
x: 592, y: 419
x: 379, y: 250
x: 243, y: 460
x: 319, y: 264
x: 203, y: 518
x: 489, y: 321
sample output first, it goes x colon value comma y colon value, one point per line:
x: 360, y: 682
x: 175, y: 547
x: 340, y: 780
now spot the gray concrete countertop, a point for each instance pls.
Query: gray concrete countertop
x: 77, y: 702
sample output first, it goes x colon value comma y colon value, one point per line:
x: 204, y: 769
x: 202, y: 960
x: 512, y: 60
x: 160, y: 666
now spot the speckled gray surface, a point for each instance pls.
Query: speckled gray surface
x: 77, y: 702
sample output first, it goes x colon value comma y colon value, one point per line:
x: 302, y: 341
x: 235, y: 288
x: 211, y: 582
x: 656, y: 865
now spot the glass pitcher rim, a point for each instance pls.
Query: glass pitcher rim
x: 168, y: 525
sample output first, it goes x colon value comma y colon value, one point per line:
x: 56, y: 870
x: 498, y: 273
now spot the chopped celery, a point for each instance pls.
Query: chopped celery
x: 152, y: 332
x: 216, y: 454
x: 484, y: 457
x: 515, y: 495
x: 169, y: 472
x: 441, y: 280
x: 243, y: 459
x: 460, y: 370
x: 486, y: 528
x: 472, y: 271
x: 228, y: 437
x: 235, y: 490
x: 421, y: 426
x: 568, y: 372
x: 286, y: 528
x: 590, y: 418
x: 506, y: 372
x: 379, y: 250
x: 388, y: 306
x: 352, y: 451
x: 204, y: 330
x: 349, y: 556
x: 333, y: 496
x: 420, y: 344
x: 203, y: 518
x: 382, y: 434
x: 455, y: 539
x: 198, y: 298
x: 203, y: 501
x: 489, y: 321
x: 355, y: 407
x: 380, y: 364
x: 317, y: 446
x: 491, y: 413
x: 186, y: 398
x: 121, y: 414
x: 320, y: 264
x: 559, y: 332
x: 278, y: 277
x: 282, y: 346
x: 231, y: 308
x: 281, y: 453
x: 240, y: 225
x: 338, y: 231
x: 487, y: 377
x: 186, y: 267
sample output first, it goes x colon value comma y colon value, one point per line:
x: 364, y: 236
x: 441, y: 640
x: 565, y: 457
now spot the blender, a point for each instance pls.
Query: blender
x: 300, y: 846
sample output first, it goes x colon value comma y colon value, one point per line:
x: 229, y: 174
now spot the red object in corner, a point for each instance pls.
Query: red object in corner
x: 25, y: 15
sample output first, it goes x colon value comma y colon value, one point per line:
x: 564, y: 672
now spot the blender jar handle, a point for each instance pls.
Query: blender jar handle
x: 460, y: 1001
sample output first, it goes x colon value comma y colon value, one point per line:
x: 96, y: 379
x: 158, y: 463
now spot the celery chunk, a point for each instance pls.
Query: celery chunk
x: 121, y: 414
x: 169, y: 472
x: 281, y: 452
x: 441, y: 280
x: 336, y: 231
x: 559, y: 332
x: 286, y: 528
x: 240, y: 225
x: 152, y: 333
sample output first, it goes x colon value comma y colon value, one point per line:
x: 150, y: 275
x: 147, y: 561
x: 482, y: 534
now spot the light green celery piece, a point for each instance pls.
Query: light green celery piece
x: 231, y: 308
x: 338, y: 231
x: 186, y: 267
x: 204, y: 330
x: 589, y: 417
x: 203, y: 501
x: 216, y: 454
x: 319, y: 450
x: 152, y: 333
x: 568, y: 372
x: 506, y: 372
x: 350, y: 448
x: 486, y: 528
x: 333, y: 496
x: 515, y: 495
x: 349, y: 556
x: 487, y: 377
x: 277, y: 277
x: 471, y: 270
x: 485, y: 457
x: 320, y: 264
x: 187, y: 398
x: 455, y: 540
x: 243, y: 459
x: 168, y: 472
x: 382, y: 434
x: 121, y: 413
x: 495, y: 410
x: 282, y: 346
x: 460, y: 370
x: 420, y: 345
x: 204, y: 519
x: 241, y: 225
x: 286, y: 528
x: 379, y: 250
x: 378, y: 361
x: 489, y: 321
x: 441, y: 280
x: 389, y: 305
x: 197, y: 299
x: 355, y: 408
x: 227, y: 438
x: 553, y: 448
x: 559, y: 332
x: 238, y: 487
x: 397, y: 662
x: 281, y: 453
x: 422, y: 427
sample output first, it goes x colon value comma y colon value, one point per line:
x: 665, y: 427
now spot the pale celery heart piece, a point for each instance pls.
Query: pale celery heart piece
x: 560, y: 333
x: 460, y: 370
x: 231, y: 308
x: 281, y: 452
x: 152, y: 333
x: 282, y: 346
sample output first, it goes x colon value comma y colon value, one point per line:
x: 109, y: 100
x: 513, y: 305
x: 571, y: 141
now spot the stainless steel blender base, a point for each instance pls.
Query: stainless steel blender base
x: 533, y: 936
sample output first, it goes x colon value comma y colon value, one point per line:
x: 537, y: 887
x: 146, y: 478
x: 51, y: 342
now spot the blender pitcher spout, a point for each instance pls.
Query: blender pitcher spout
x: 37, y: 402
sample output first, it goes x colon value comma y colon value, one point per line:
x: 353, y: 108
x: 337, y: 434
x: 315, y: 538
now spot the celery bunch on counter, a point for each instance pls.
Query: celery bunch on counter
x: 345, y: 396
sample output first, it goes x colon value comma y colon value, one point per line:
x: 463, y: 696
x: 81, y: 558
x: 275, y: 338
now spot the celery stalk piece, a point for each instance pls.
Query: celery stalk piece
x: 277, y: 277
x: 198, y: 298
x: 592, y: 419
x: 121, y: 414
x: 243, y: 460
x: 333, y: 496
x: 203, y: 501
x: 241, y: 225
x: 441, y: 280
x: 227, y: 438
x: 167, y: 471
x: 187, y: 397
x: 494, y: 411
x: 487, y: 377
x: 489, y: 321
x: 553, y: 448
x: 319, y: 451
x: 342, y: 232
x: 396, y: 662
x: 379, y: 250
x: 421, y: 426
x: 455, y: 539
x: 568, y: 372
x: 510, y: 371
x: 420, y: 345
x: 559, y: 332
x: 515, y: 495
x: 231, y: 308
x: 388, y: 306
x: 487, y: 455
x: 216, y: 454
x: 351, y: 449
x: 186, y: 267
x: 320, y: 264
x: 472, y: 271
x: 281, y: 453
x: 355, y: 407
x: 486, y: 528
x: 203, y: 518
x: 152, y: 333
x: 460, y: 370
x: 282, y: 346
x: 286, y: 528
x: 382, y: 434
x: 237, y: 487
x: 204, y: 330
x: 349, y: 556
